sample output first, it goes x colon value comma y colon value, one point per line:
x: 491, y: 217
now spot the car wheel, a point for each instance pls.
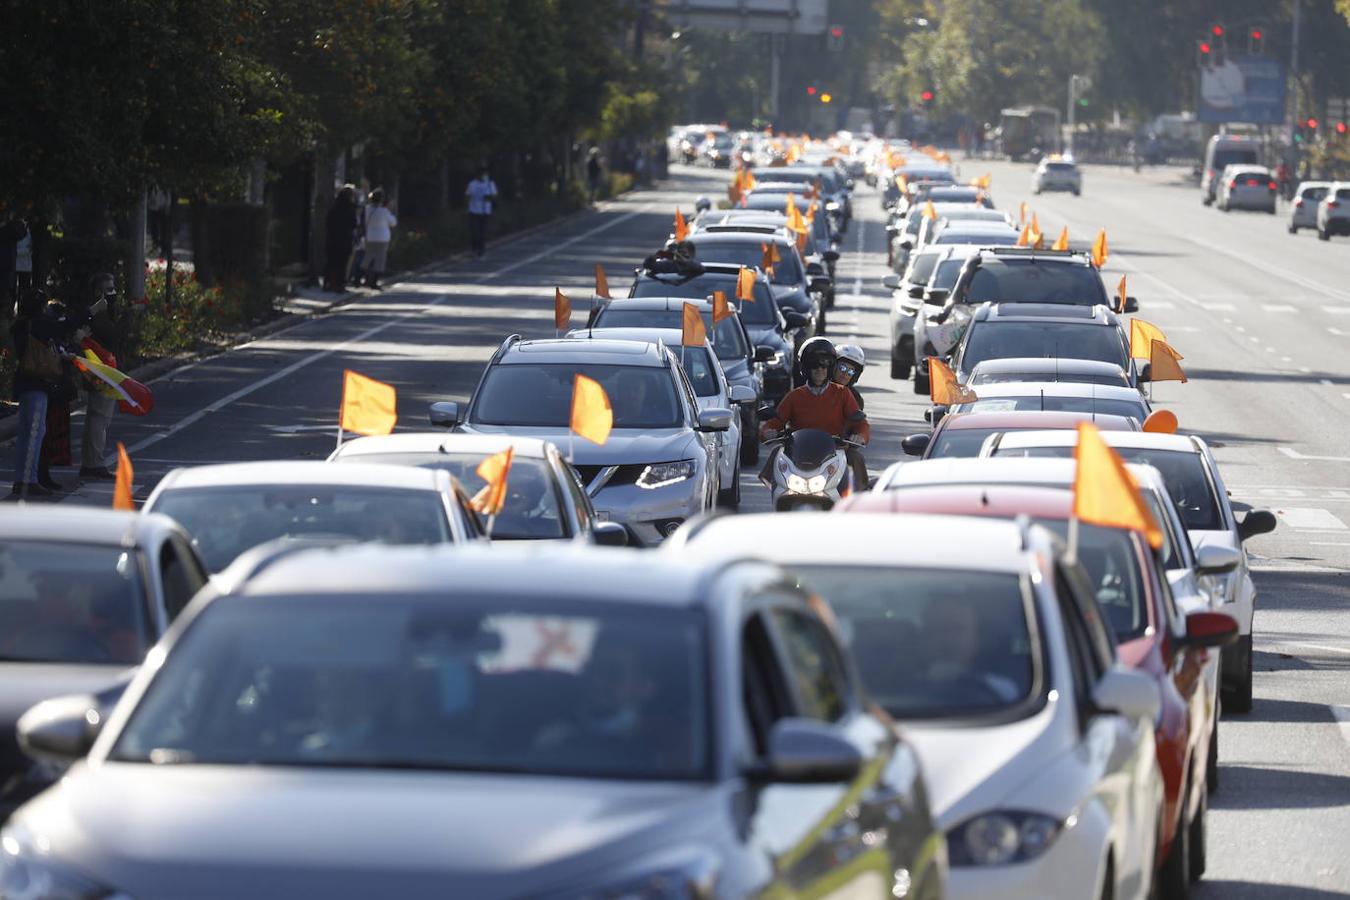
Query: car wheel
x: 1271, y: 210
x: 1239, y: 697
x: 1199, y: 852
x: 1212, y: 767
x: 1293, y: 229
x: 1323, y: 234
x: 1077, y: 193
x: 920, y: 383
x: 899, y: 369
x: 1174, y: 877
x: 730, y: 498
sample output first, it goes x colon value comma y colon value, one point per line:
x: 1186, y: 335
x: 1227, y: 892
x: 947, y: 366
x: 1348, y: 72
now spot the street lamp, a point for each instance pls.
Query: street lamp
x: 1075, y: 83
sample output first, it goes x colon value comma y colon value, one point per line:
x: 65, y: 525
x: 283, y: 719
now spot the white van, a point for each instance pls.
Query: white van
x: 1224, y: 150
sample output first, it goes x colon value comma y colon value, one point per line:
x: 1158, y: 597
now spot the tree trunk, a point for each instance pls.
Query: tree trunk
x: 200, y: 238
x: 442, y: 187
x: 325, y: 172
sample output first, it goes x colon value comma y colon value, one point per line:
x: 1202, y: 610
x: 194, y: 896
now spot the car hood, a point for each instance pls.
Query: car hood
x: 970, y: 769
x: 162, y: 832
x: 793, y: 297
x: 24, y: 685
x: 738, y: 371
x: 767, y: 335
x: 625, y: 445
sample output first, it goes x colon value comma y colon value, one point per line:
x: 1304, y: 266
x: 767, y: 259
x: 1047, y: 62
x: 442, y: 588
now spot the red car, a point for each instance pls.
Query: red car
x: 1154, y: 637
x: 961, y: 434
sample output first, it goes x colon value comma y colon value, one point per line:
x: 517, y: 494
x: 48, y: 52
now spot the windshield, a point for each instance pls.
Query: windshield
x: 934, y: 643
x: 1034, y: 281
x: 1112, y: 565
x: 1223, y: 158
x: 541, y: 395
x: 788, y: 270
x: 71, y: 603
x: 1005, y: 340
x: 726, y: 334
x: 947, y: 272
x: 1126, y: 408
x: 226, y: 521
x: 1183, y: 472
x: 531, y: 511
x: 415, y: 682
x: 922, y: 268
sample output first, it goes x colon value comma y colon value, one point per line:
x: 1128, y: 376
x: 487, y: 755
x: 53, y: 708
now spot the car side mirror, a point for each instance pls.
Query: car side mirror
x: 1258, y: 521
x: 849, y: 184
x: 815, y: 268
x: 907, y: 244
x: 805, y: 751
x: 765, y: 354
x: 915, y: 444
x: 1131, y: 304
x: 821, y: 284
x: 936, y: 297
x: 1216, y: 559
x: 1131, y: 694
x: 741, y: 393
x: 767, y: 411
x: 609, y: 534
x: 444, y: 414
x: 794, y: 319
x: 830, y: 256
x: 891, y: 281
x: 60, y: 730
x: 714, y: 420
x: 1209, y: 629
x: 917, y: 291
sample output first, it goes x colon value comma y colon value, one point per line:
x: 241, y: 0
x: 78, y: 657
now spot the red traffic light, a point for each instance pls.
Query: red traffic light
x: 1340, y: 128
x: 836, y: 31
x: 1311, y: 123
x: 811, y: 91
x: 927, y: 96
x: 1256, y: 34
x: 1205, y: 48
x: 1217, y: 31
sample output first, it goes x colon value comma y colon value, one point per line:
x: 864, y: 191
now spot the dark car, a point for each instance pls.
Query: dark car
x: 1020, y: 275
x: 792, y: 287
x: 519, y: 722
x: 84, y: 594
x: 962, y: 434
x: 1007, y: 330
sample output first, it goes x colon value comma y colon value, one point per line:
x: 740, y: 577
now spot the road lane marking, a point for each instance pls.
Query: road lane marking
x: 1310, y: 518
x: 1279, y: 308
x: 1218, y: 307
x: 1294, y: 454
x: 1342, y: 716
x: 1337, y: 310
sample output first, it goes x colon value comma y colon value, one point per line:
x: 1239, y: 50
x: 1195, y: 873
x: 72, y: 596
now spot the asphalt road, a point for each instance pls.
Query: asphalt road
x: 1262, y: 318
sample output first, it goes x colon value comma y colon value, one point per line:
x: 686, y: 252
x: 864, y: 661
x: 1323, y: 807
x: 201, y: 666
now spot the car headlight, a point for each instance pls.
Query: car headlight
x: 1002, y: 838
x: 832, y: 206
x: 776, y: 362
x: 1220, y: 588
x: 27, y: 872
x: 659, y: 475
x: 692, y: 879
x: 797, y: 484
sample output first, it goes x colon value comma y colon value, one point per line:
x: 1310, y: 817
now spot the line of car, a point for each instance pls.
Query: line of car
x: 1232, y: 178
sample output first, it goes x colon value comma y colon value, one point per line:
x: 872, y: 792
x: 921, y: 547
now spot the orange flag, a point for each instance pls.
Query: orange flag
x: 1142, y: 336
x: 801, y: 242
x: 592, y: 416
x: 681, y: 226
x: 368, y: 406
x: 1164, y: 363
x: 795, y: 222
x: 1099, y: 249
x: 745, y: 285
x: 601, y: 283
x: 1161, y: 421
x: 123, y: 483
x: 562, y: 310
x: 929, y: 210
x: 1061, y: 242
x: 1035, y: 225
x: 1022, y: 213
x: 692, y: 332
x: 1024, y: 239
x: 942, y: 386
x: 721, y: 308
x: 1120, y: 295
x: 1104, y: 491
x: 769, y: 257
x: 1037, y: 240
x: 494, y: 470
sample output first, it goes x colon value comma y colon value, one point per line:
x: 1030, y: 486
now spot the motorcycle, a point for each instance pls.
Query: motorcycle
x: 807, y: 469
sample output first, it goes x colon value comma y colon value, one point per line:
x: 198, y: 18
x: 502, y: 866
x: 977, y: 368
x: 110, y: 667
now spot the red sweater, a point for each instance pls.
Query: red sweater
x: 834, y: 411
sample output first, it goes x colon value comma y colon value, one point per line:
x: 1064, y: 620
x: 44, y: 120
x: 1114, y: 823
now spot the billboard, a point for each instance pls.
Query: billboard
x: 1243, y: 89
x: 763, y: 16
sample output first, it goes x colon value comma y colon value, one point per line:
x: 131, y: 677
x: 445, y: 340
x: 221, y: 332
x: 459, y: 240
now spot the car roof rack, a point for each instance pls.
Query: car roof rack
x: 511, y: 341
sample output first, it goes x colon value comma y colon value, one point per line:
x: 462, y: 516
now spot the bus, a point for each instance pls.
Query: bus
x: 1028, y: 132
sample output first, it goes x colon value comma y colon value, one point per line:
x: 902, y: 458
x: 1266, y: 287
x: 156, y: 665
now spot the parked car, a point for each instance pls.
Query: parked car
x: 84, y: 594
x: 544, y: 501
x: 1303, y: 211
x: 520, y: 722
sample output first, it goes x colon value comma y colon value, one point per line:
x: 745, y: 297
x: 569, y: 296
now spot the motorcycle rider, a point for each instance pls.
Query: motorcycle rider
x: 823, y: 404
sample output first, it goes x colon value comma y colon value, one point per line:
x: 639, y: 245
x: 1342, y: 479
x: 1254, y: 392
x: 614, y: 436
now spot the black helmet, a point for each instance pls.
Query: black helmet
x: 702, y: 204
x: 812, y: 350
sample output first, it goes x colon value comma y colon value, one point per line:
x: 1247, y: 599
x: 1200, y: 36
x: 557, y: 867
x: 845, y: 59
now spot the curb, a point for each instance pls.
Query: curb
x: 160, y: 367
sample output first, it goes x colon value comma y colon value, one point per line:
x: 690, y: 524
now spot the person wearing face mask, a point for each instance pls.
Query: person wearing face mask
x: 109, y: 325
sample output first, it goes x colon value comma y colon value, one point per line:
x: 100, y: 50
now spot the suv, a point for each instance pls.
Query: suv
x: 1057, y: 175
x: 659, y: 466
x: 1308, y: 197
x: 1333, y: 213
x: 1001, y: 330
x: 631, y: 723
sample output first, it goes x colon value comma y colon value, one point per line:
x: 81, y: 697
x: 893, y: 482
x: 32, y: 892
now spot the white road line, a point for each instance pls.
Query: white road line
x: 1336, y: 331
x: 1327, y: 382
x: 1279, y: 308
x: 1218, y: 307
x: 1306, y: 646
x: 1294, y: 454
x: 1342, y: 717
x: 1309, y: 518
x: 1337, y: 310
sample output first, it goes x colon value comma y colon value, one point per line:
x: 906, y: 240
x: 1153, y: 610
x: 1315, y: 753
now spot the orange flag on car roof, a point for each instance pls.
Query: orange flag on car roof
x: 769, y: 257
x: 1061, y: 242
x: 562, y: 310
x: 795, y: 222
x: 1120, y: 295
x: 494, y: 470
x: 1104, y: 491
x: 1142, y: 336
x: 745, y: 285
x: 592, y: 416
x: 692, y: 332
x: 1161, y: 421
x: 601, y: 282
x: 1164, y: 363
x: 1022, y: 213
x: 942, y: 386
x: 929, y: 210
x: 368, y: 406
x: 1099, y: 249
x: 122, y: 484
x: 681, y: 226
x: 1024, y: 239
x: 721, y: 308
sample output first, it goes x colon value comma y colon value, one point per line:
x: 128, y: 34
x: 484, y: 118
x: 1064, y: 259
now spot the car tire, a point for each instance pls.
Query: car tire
x: 1078, y: 193
x: 1293, y: 229
x: 1323, y: 234
x: 920, y: 383
x: 1271, y: 210
x: 899, y: 369
x: 1174, y: 875
x: 1212, y: 767
x: 1199, y: 850
x: 1239, y: 697
x: 730, y: 498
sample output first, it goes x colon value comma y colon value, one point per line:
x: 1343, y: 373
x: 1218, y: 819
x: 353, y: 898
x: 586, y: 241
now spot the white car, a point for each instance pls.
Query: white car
x: 1333, y: 212
x: 1247, y: 187
x: 1192, y: 478
x: 1307, y: 199
x: 1057, y: 175
x: 987, y: 645
x: 1059, y: 396
x: 1039, y: 368
x: 710, y: 390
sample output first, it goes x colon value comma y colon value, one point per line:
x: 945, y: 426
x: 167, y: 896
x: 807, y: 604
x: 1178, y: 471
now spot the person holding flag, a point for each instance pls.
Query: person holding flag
x: 110, y: 327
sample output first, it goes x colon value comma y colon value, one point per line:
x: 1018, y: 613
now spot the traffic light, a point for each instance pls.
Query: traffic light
x: 835, y: 38
x: 810, y: 90
x: 1256, y: 41
x: 826, y: 98
x: 1311, y: 123
x: 1340, y: 128
x: 1204, y: 53
x: 1218, y: 42
x: 927, y: 97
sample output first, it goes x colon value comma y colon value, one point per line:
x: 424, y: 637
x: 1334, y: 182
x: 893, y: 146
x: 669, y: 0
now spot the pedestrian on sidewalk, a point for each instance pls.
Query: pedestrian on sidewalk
x: 482, y: 191
x: 380, y: 222
x: 72, y: 327
x: 33, y: 338
x: 594, y: 171
x: 110, y: 326
x: 341, y: 224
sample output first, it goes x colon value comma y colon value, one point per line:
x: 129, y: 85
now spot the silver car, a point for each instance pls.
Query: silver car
x: 659, y: 464
x: 1247, y: 187
x: 1333, y: 212
x: 1057, y: 175
x: 1303, y: 211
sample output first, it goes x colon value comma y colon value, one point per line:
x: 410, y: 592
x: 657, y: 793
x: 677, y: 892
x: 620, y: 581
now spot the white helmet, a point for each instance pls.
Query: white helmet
x: 852, y: 353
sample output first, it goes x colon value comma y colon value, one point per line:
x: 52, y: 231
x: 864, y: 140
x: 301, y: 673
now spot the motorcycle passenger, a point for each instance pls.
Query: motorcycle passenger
x: 848, y: 368
x: 823, y: 404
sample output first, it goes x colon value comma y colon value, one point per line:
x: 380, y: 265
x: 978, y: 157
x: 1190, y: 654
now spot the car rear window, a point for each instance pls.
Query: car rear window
x: 751, y: 254
x: 1060, y: 167
x: 1313, y: 193
x: 922, y: 268
x: 960, y: 443
x: 726, y: 334
x: 991, y: 238
x: 1343, y: 194
x: 1125, y: 408
x: 1004, y: 340
x: 1033, y: 281
x: 947, y: 272
x: 1233, y: 156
